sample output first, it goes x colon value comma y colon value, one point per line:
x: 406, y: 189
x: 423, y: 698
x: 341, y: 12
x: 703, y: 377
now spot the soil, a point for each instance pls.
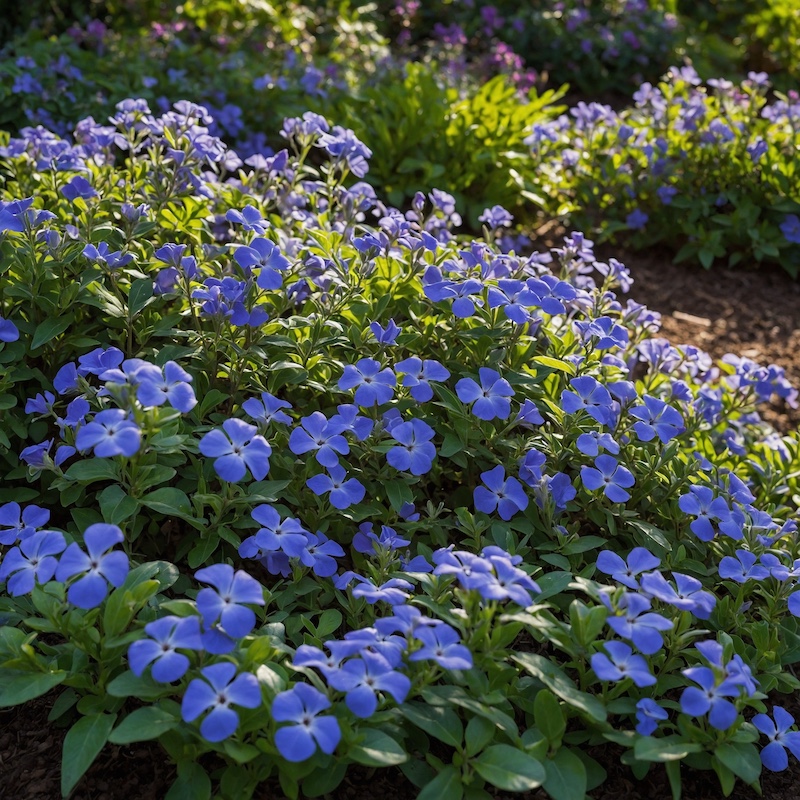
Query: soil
x: 755, y: 314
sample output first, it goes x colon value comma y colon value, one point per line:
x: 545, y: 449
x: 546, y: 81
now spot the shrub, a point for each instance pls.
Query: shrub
x: 254, y: 424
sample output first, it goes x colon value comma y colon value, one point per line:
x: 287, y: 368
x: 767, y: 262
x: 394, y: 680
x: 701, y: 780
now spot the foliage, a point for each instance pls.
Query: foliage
x: 252, y: 424
x: 721, y: 155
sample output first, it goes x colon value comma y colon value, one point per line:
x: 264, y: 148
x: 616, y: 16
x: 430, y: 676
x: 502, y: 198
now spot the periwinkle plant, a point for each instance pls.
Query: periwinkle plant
x: 332, y: 489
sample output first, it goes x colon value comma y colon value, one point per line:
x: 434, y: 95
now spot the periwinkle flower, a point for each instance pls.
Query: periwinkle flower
x: 742, y: 568
x: 302, y: 706
x: 648, y: 715
x: 98, y: 567
x: 263, y: 253
x: 249, y: 218
x: 241, y: 449
x: 267, y: 409
x: 687, y: 595
x: 589, y: 396
x: 442, y: 644
x: 414, y: 452
x: 633, y: 620
x: 387, y: 336
x: 621, y: 663
x: 17, y: 523
x: 110, y: 433
x: 781, y: 739
x: 610, y: 476
x: 172, y: 387
x: 222, y: 605
x: 217, y: 690
x: 33, y: 561
x: 317, y: 435
x: 417, y: 374
x: 160, y: 648
x: 78, y: 187
x: 501, y: 493
x: 639, y: 560
x: 490, y: 399
x: 343, y: 491
x: 710, y: 698
x: 363, y: 677
x: 373, y: 385
x: 8, y: 331
x: 656, y: 418
x: 103, y: 255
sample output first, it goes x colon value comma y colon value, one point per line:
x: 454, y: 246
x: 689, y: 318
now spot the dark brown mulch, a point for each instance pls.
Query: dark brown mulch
x: 756, y: 314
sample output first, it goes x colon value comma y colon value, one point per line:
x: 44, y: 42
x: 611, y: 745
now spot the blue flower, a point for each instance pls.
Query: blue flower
x: 490, y: 399
x: 287, y: 535
x: 388, y: 336
x: 620, y: 663
x: 415, y: 453
x: 33, y: 561
x: 590, y: 443
x: 343, y: 493
x: 530, y: 466
x: 8, y: 331
x: 217, y: 692
x: 648, y: 714
x: 301, y: 706
x: 394, y: 591
x: 701, y: 503
x: 656, y: 419
x: 98, y: 569
x: 362, y: 678
x: 166, y: 635
x: 100, y: 360
x: 710, y: 698
x: 240, y: 450
x: 790, y: 228
x: 348, y: 420
x: 501, y: 493
x: 637, y: 219
x: 320, y: 554
x: 610, y: 476
x: 773, y: 756
x: 366, y: 541
x: 265, y: 254
x: 173, y: 387
x: 442, y: 644
x: 418, y: 374
x: 78, y: 187
x: 110, y: 433
x: 630, y: 621
x: 267, y: 409
x: 249, y: 218
x: 639, y: 560
x: 589, y: 396
x: 223, y: 607
x: 689, y: 595
x: 316, y: 434
x: 103, y: 255
x: 17, y: 523
x: 373, y: 386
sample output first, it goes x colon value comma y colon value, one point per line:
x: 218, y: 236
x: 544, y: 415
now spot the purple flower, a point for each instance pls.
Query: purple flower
x: 110, y: 433
x: 639, y: 560
x: 240, y: 450
x: 223, y: 607
x: 441, y: 644
x: 620, y: 663
x: 362, y: 678
x: 316, y: 434
x: 490, y: 399
x: 217, y: 692
x: 98, y: 569
x: 495, y: 217
x: 373, y: 386
x: 418, y: 374
x: 501, y: 493
x: 415, y: 453
x: 773, y: 756
x: 637, y: 219
x: 610, y: 476
x: 343, y: 493
x: 166, y: 635
x: 301, y: 706
x: 33, y: 561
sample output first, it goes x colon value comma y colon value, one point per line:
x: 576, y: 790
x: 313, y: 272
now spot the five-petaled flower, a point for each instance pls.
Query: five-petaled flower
x: 490, y: 399
x: 301, y: 706
x: 242, y: 449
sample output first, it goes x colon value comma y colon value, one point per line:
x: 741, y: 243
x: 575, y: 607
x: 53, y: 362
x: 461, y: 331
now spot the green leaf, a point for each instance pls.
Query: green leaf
x: 21, y: 688
x: 510, y: 769
x: 143, y: 724
x: 549, y: 716
x: 129, y: 685
x: 141, y: 292
x: 398, y: 492
x: 115, y: 505
x: 741, y: 759
x: 192, y: 783
x: 49, y: 329
x: 83, y: 742
x: 480, y: 731
x: 554, y: 364
x: 665, y: 748
x: 445, y: 786
x: 555, y: 679
x: 377, y: 749
x: 438, y: 721
x: 566, y: 776
x: 168, y: 501
x: 93, y: 469
x: 323, y: 780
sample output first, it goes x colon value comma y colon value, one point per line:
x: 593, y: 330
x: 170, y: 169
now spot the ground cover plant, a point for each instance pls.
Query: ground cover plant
x: 707, y: 169
x: 304, y: 481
